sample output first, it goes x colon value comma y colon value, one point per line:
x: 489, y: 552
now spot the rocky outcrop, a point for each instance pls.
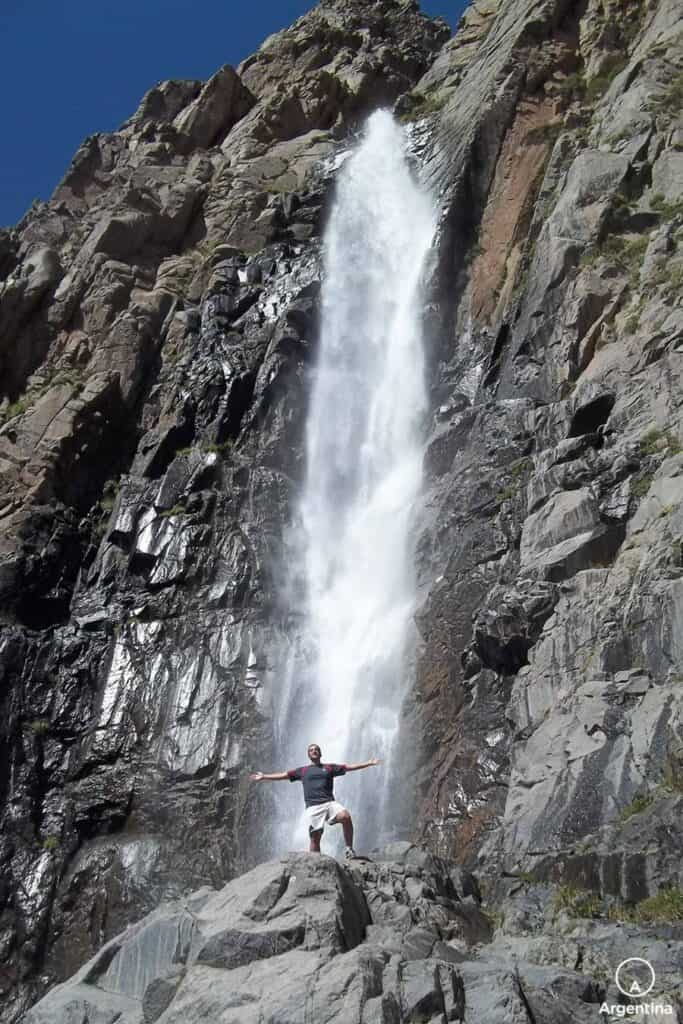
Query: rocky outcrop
x: 289, y: 938
x: 158, y: 316
x: 394, y: 939
x: 546, y: 699
x: 401, y: 937
x: 158, y: 321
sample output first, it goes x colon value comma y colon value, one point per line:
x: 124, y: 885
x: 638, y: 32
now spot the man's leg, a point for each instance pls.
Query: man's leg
x: 343, y: 818
x: 314, y: 837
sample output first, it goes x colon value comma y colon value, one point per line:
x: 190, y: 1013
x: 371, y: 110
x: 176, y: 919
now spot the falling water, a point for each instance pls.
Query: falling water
x: 363, y: 473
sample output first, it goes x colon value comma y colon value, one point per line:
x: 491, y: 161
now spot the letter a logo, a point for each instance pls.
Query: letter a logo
x: 635, y: 977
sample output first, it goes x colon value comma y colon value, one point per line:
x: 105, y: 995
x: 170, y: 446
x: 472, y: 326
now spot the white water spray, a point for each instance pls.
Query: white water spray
x: 363, y: 473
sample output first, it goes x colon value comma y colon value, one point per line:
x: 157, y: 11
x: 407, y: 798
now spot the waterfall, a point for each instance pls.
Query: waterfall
x: 364, y: 455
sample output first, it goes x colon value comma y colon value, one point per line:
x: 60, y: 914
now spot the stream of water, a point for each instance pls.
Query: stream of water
x: 364, y: 455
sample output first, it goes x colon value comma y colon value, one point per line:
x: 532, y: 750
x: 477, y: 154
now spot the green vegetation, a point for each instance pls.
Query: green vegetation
x: 670, y: 101
x: 521, y: 466
x: 650, y: 443
x: 177, y: 510
x: 51, y: 843
x: 211, y: 446
x: 630, y: 24
x: 522, y: 276
x: 668, y: 210
x: 526, y: 876
x: 421, y: 104
x: 599, y: 84
x: 657, y: 442
x: 15, y: 409
x: 668, y: 277
x: 543, y: 133
x: 582, y: 134
x: 276, y: 187
x: 637, y: 806
x: 495, y: 918
x: 72, y: 377
x: 633, y: 321
x: 207, y: 247
x: 578, y: 902
x: 109, y: 492
x: 665, y: 905
x: 473, y: 252
x: 672, y: 777
x: 577, y: 87
x: 222, y: 449
x: 39, y: 385
x: 518, y: 470
x: 39, y: 726
x: 621, y: 136
x: 657, y: 50
x: 102, y: 510
x: 505, y: 494
x: 626, y: 253
x: 671, y: 782
x: 573, y: 87
x: 605, y: 337
x: 621, y: 203
x: 642, y: 486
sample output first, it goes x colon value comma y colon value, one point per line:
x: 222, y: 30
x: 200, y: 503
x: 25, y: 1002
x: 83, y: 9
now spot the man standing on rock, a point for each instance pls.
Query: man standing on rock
x: 321, y: 807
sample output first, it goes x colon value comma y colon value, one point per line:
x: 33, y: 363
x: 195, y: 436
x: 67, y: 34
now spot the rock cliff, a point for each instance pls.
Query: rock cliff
x: 401, y: 938
x: 158, y: 318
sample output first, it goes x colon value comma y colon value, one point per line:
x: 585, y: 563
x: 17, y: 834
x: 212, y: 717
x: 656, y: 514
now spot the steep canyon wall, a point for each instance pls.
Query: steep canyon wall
x: 158, y: 323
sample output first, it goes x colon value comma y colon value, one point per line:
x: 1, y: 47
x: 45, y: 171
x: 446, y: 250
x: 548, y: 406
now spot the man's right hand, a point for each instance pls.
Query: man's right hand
x: 256, y: 776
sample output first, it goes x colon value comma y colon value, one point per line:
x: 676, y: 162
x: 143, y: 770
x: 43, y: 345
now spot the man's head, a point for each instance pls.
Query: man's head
x: 314, y: 753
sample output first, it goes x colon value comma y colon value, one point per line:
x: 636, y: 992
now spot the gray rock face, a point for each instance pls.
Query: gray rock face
x: 574, y: 955
x: 158, y: 325
x: 158, y: 317
x: 222, y: 102
x: 232, y: 955
x: 545, y: 551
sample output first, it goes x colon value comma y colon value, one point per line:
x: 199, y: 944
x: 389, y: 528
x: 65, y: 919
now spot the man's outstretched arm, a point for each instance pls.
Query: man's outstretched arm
x: 363, y: 764
x: 268, y: 776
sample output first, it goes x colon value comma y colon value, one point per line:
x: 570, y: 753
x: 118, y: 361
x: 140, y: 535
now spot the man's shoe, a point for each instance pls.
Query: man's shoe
x: 349, y: 853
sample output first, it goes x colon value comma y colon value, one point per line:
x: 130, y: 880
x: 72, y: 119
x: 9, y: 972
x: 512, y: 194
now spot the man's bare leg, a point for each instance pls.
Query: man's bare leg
x: 314, y: 843
x: 344, y: 819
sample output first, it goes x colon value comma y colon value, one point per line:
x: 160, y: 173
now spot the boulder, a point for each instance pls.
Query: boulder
x: 220, y: 104
x: 292, y: 937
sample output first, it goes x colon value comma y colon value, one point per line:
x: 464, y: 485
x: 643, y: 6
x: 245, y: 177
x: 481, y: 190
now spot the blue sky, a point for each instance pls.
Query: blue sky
x: 70, y: 68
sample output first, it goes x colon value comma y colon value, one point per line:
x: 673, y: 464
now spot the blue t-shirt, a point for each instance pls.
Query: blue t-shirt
x: 317, y: 781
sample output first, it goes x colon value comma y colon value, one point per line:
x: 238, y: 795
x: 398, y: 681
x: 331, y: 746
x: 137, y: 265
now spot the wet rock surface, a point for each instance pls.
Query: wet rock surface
x: 158, y: 319
x: 158, y: 324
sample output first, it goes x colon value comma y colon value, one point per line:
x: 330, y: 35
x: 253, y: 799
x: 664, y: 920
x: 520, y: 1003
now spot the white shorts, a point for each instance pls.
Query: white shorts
x: 318, y: 814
